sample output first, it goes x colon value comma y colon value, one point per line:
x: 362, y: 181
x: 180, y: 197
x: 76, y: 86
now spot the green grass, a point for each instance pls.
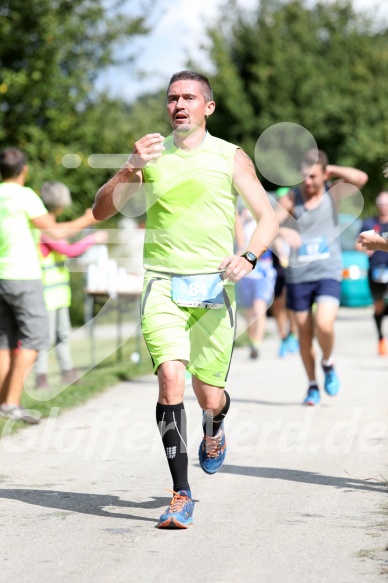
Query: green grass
x: 108, y: 372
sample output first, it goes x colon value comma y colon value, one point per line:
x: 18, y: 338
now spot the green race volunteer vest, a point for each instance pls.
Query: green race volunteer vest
x: 56, y: 281
x: 191, y: 207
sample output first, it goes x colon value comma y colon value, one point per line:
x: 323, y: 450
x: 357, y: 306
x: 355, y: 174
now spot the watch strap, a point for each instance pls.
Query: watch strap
x: 251, y: 257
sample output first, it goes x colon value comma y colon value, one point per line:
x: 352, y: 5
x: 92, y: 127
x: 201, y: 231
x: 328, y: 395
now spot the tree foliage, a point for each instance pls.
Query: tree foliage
x: 50, y: 54
x: 323, y: 66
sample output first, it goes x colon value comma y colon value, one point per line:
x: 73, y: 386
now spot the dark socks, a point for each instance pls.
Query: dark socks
x: 210, y: 424
x: 379, y: 321
x: 172, y: 424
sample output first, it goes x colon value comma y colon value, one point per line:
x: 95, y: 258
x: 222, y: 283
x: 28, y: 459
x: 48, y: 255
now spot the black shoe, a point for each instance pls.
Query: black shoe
x: 254, y: 352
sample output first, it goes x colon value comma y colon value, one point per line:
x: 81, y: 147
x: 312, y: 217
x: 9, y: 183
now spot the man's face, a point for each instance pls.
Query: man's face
x: 313, y: 179
x: 382, y: 203
x: 186, y: 106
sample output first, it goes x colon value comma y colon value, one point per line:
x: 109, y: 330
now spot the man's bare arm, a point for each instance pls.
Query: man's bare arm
x: 347, y: 182
x: 372, y: 241
x: 47, y: 224
x: 112, y: 196
x: 255, y: 197
x: 249, y: 187
x: 347, y: 174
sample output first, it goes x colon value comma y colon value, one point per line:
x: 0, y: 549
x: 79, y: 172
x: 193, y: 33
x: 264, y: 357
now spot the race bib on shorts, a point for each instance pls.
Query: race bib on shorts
x: 315, y: 249
x: 380, y: 274
x: 202, y: 290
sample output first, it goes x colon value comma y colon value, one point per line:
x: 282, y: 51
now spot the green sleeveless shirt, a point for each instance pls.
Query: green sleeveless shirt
x: 191, y: 207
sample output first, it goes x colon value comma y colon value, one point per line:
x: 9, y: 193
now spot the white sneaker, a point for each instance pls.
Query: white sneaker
x: 17, y: 413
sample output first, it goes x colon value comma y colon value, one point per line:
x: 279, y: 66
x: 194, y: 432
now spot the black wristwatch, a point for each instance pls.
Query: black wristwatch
x: 251, y: 257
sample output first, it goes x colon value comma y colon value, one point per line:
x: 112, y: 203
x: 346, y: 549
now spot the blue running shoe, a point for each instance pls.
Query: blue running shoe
x: 179, y: 514
x: 212, y: 451
x: 283, y: 349
x: 292, y: 344
x: 332, y: 384
x: 313, y: 397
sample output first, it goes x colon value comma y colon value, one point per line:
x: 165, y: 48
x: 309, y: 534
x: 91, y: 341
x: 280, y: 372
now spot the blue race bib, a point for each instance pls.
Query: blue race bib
x: 202, y: 290
x: 380, y: 274
x: 315, y: 249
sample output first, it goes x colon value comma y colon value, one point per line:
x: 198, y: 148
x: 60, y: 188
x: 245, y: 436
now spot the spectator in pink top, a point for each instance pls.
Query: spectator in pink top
x: 56, y: 284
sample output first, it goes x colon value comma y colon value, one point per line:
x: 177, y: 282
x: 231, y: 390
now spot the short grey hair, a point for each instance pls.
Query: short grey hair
x: 206, y: 88
x: 55, y: 195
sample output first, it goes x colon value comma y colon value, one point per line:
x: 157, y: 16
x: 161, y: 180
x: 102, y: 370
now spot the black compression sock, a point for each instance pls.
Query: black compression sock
x: 378, y: 318
x: 172, y: 424
x: 211, y: 424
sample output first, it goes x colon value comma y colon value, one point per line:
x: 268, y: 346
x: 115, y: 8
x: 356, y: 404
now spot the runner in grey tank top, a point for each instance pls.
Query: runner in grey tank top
x: 319, y: 256
x: 314, y: 273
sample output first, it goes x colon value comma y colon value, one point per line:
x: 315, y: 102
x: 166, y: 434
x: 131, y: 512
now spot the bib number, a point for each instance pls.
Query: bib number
x: 313, y: 250
x: 198, y: 291
x: 380, y: 274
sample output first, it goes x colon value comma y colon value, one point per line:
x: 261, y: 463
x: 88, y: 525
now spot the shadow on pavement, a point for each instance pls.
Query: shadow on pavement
x: 257, y: 402
x: 83, y: 503
x: 307, y: 477
x: 272, y: 403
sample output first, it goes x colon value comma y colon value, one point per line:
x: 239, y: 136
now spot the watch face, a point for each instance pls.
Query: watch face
x: 251, y: 256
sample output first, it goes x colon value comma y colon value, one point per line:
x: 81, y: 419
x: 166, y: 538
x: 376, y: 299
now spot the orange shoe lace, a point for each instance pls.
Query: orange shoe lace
x: 177, y: 501
x: 212, y: 445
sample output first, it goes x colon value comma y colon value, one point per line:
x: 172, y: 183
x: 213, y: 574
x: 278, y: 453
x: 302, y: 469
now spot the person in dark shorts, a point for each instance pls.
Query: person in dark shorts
x: 313, y: 276
x: 255, y: 291
x: 378, y: 263
x: 287, y: 328
x: 285, y: 320
x: 23, y: 316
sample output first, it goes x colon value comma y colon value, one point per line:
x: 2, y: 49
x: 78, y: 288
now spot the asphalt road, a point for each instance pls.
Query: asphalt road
x: 302, y: 495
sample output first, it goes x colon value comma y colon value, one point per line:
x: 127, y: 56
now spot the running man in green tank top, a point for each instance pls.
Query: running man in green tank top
x: 190, y: 181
